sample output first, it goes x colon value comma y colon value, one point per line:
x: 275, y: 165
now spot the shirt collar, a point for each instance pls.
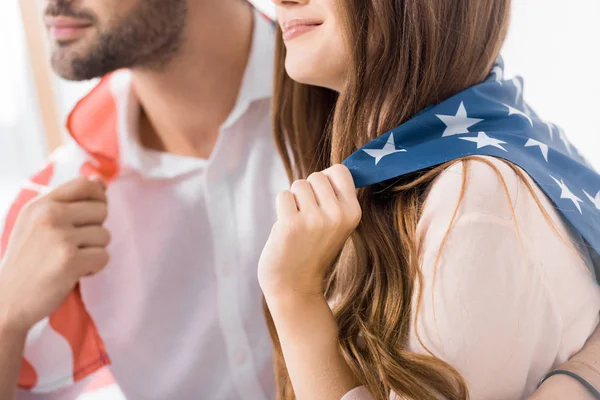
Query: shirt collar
x: 257, y: 83
x: 105, y: 122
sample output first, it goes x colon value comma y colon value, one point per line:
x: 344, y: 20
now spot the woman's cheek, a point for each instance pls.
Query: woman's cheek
x: 319, y: 62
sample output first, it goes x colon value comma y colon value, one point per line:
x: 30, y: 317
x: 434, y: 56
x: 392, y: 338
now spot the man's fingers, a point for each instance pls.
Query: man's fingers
x: 80, y: 189
x: 91, y: 260
x: 84, y: 213
x: 92, y: 236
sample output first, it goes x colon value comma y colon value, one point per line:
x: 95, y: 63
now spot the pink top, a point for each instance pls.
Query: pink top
x: 507, y: 306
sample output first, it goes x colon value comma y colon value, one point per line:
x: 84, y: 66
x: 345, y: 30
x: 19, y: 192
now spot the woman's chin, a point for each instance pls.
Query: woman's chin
x: 307, y: 78
x: 305, y: 72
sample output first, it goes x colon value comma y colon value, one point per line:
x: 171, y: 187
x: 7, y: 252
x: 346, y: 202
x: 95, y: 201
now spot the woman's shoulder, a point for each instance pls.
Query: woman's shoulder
x: 505, y: 296
x: 487, y: 185
x: 496, y: 193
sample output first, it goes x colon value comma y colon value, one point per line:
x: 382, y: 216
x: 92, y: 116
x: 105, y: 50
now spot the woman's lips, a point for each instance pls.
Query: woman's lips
x: 296, y: 27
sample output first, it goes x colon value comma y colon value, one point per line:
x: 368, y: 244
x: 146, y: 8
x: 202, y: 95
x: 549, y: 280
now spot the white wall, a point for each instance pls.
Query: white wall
x: 555, y: 46
x: 21, y: 141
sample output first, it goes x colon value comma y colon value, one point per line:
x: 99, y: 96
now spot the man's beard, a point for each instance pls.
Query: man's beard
x: 149, y: 36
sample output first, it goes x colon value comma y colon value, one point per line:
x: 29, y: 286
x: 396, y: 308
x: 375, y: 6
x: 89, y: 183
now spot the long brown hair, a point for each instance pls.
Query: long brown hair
x: 404, y: 56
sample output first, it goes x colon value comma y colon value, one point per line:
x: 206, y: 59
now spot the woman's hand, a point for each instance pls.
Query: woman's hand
x: 315, y: 219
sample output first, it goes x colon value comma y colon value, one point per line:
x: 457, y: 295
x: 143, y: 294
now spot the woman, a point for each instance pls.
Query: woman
x: 452, y: 279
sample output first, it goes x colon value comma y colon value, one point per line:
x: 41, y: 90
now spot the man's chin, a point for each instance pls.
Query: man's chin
x: 63, y: 67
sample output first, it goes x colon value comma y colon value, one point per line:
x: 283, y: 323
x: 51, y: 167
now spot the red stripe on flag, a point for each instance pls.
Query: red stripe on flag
x: 74, y: 323
x: 28, y: 378
x: 93, y: 124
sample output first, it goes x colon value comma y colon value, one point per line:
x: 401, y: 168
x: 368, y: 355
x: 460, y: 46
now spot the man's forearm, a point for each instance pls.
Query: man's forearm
x: 585, y: 364
x: 559, y: 387
x: 12, y: 344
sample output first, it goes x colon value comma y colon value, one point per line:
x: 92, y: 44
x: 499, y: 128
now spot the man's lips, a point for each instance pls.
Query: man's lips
x: 66, y: 28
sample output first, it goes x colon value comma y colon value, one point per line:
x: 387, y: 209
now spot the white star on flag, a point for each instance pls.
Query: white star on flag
x: 594, y: 200
x: 484, y: 140
x: 567, y: 194
x: 564, y: 139
x: 388, y: 149
x: 543, y: 147
x: 550, y: 130
x: 514, y: 111
x: 519, y: 86
x: 459, y: 123
x: 499, y: 74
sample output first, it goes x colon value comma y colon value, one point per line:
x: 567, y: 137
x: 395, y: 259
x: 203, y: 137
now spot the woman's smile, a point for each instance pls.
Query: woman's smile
x: 297, y: 26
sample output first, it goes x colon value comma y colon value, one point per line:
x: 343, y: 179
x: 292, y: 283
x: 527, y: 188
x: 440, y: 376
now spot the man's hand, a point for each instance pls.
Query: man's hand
x: 57, y: 239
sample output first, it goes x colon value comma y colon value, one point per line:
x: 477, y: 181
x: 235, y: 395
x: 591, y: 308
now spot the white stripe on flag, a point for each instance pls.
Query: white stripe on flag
x: 51, y: 356
x: 41, y: 189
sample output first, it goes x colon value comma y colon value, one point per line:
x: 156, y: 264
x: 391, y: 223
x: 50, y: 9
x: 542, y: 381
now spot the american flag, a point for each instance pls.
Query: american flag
x: 489, y: 119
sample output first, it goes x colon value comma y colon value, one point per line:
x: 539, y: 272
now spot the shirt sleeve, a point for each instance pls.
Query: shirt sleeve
x: 488, y: 315
x: 492, y: 281
x: 360, y: 393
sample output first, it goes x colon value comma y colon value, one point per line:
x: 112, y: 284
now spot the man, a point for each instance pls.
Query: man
x: 181, y: 137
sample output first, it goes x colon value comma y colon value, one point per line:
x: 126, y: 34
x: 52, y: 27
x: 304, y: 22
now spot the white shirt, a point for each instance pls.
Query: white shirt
x: 506, y: 305
x: 179, y: 305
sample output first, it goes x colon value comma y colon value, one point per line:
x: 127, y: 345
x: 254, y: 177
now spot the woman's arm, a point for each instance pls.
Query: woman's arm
x: 586, y: 364
x: 12, y: 344
x: 308, y: 334
x: 315, y: 219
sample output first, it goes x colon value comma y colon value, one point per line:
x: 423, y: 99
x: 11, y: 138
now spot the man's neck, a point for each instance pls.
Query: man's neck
x: 184, y: 106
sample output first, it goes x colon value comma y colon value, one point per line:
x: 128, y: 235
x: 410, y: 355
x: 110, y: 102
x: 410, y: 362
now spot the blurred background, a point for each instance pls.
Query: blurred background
x: 553, y: 44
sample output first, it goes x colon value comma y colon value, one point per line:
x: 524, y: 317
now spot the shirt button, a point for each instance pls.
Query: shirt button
x: 240, y: 356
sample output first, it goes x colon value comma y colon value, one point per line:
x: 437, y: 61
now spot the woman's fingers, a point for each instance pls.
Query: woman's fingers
x: 327, y: 197
x: 341, y: 181
x: 305, y: 197
x: 286, y: 205
x: 343, y: 184
x: 324, y: 192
